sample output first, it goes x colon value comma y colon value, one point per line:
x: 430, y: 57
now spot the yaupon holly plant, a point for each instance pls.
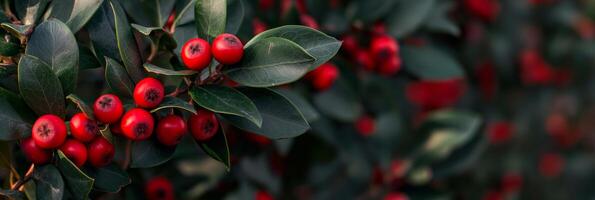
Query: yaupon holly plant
x: 175, y: 74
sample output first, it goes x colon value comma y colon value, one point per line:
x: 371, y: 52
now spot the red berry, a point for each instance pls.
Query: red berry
x: 108, y: 108
x: 396, y: 196
x: 75, y: 151
x: 115, y: 128
x: 551, y: 164
x: 350, y: 44
x: 511, y: 182
x: 34, y: 153
x: 309, y: 21
x: 159, y: 188
x: 390, y: 66
x: 170, y: 130
x: 499, y: 132
x: 227, y: 49
x: 148, y: 93
x: 137, y: 124
x: 534, y: 69
x: 101, y: 152
x: 435, y: 94
x: 365, y: 125
x: 203, y: 125
x: 383, y: 47
x: 486, y: 9
x: 82, y: 128
x: 170, y: 20
x: 364, y: 60
x: 324, y: 76
x: 263, y: 195
x: 258, y: 26
x: 196, y: 54
x: 49, y: 131
x: 265, y: 5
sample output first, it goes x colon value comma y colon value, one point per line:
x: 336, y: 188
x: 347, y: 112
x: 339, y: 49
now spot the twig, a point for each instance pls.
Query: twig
x: 24, y: 180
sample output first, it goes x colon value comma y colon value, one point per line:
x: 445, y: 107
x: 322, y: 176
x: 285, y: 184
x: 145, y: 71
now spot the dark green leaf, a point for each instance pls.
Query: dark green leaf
x: 371, y: 10
x: 280, y: 118
x: 441, y: 66
x: 39, y: 87
x: 145, y: 30
x: 319, y: 45
x: 49, y: 183
x: 87, y: 59
x: 168, y: 72
x: 74, y: 13
x: 78, y: 183
x: 31, y: 10
x: 9, y: 48
x: 175, y: 102
x: 11, y: 123
x: 270, y: 62
x: 301, y: 103
x: 210, y: 17
x: 19, y: 31
x: 109, y: 178
x: 408, y: 16
x: 81, y: 105
x: 183, y: 34
x: 53, y: 43
x: 117, y: 78
x: 439, y: 21
x: 235, y: 16
x: 340, y: 102
x: 103, y: 34
x: 148, y: 13
x: 217, y: 148
x: 184, y: 13
x: 150, y: 153
x: 226, y: 100
x: 126, y: 43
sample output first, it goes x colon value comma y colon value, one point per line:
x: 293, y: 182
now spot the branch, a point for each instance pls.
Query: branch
x: 21, y: 182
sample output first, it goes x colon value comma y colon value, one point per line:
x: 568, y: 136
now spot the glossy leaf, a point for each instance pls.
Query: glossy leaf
x: 441, y: 67
x: 49, y: 183
x: 148, y: 13
x: 54, y: 44
x: 168, y: 72
x: 280, y: 117
x: 39, y: 87
x: 210, y: 17
x: 150, y: 153
x: 19, y: 31
x: 270, y: 62
x: 226, y: 100
x: 235, y: 16
x: 72, y: 12
x: 217, y: 148
x: 87, y: 59
x: 103, y: 34
x: 301, y: 103
x: 78, y: 182
x: 408, y: 16
x: 144, y: 29
x: 13, y: 126
x: 117, y: 78
x: 175, y: 102
x: 30, y: 11
x: 339, y: 102
x: 126, y: 43
x: 109, y: 178
x: 319, y: 45
x: 82, y: 106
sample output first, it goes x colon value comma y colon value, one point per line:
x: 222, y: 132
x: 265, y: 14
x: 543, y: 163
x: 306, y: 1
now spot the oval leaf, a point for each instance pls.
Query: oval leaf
x: 319, y: 45
x: 30, y: 11
x: 301, y: 103
x: 280, y: 118
x: 53, y: 43
x: 340, y: 102
x: 39, y: 87
x: 109, y: 178
x: 74, y: 13
x: 209, y: 16
x: 126, y: 43
x: 103, y: 34
x: 11, y: 123
x: 175, y: 102
x: 81, y: 105
x: 270, y: 62
x: 441, y: 67
x: 78, y: 183
x: 226, y: 100
x: 149, y: 153
x: 117, y: 78
x: 168, y: 72
x: 217, y: 148
x: 408, y: 16
x: 49, y: 183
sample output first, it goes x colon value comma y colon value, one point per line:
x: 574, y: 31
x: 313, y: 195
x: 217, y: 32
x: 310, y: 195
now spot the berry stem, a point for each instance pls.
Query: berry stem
x: 21, y: 182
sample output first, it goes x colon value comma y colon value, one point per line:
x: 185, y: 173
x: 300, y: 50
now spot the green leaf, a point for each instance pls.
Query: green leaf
x: 78, y: 183
x: 301, y: 103
x: 150, y: 153
x: 340, y: 102
x: 371, y: 10
x: 49, y: 183
x: 183, y: 34
x: 117, y: 78
x: 39, y: 87
x: 19, y: 31
x: 217, y: 148
x: 270, y: 62
x: 53, y: 43
x: 280, y: 118
x: 319, y: 45
x: 430, y: 64
x: 210, y: 17
x: 168, y: 72
x: 408, y: 16
x: 29, y: 11
x: 226, y: 100
x: 13, y: 126
x: 126, y: 43
x: 109, y: 178
x: 235, y: 16
x: 184, y: 13
x: 175, y: 102
x: 74, y: 13
x: 145, y: 30
x: 148, y: 12
x: 9, y: 48
x: 87, y: 59
x: 439, y: 21
x: 81, y: 105
x: 103, y: 34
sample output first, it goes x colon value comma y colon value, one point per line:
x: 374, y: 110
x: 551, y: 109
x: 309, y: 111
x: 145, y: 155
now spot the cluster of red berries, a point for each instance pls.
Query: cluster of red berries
x: 227, y: 49
x: 382, y: 55
x: 323, y: 77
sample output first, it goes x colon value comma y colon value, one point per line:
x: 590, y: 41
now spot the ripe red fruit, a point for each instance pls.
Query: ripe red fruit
x: 485, y: 9
x: 101, y: 152
x: 148, y: 93
x: 435, y: 94
x: 227, y: 49
x: 350, y: 44
x: 258, y: 26
x: 396, y: 196
x: 309, y: 21
x: 159, y: 188
x: 534, y: 69
x: 137, y: 124
x: 487, y: 79
x: 383, y: 47
x: 323, y: 77
x: 390, y: 66
x: 263, y: 195
x: 82, y: 128
x: 75, y: 151
x: 511, y: 182
x: 196, y: 54
x: 34, y: 153
x: 108, y: 108
x: 499, y: 132
x: 364, y: 60
x: 365, y: 125
x: 204, y: 125
x: 551, y: 164
x: 170, y: 130
x: 49, y: 131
